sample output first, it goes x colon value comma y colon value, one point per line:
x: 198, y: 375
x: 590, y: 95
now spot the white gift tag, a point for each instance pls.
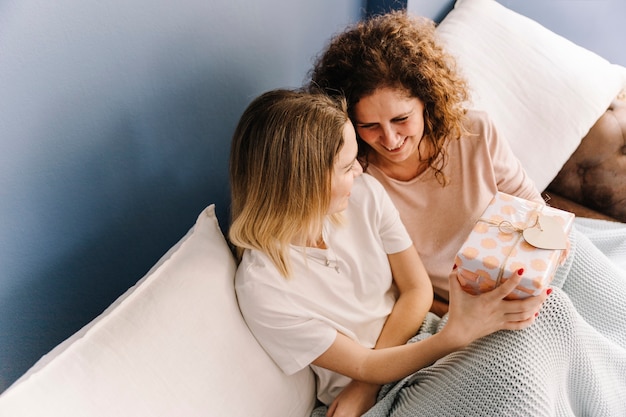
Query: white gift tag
x: 546, y: 234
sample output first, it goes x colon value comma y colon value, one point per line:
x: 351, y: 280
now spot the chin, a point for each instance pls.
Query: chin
x: 396, y: 158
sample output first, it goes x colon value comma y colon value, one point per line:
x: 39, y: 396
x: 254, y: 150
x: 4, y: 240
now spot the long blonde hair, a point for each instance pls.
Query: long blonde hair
x: 281, y: 161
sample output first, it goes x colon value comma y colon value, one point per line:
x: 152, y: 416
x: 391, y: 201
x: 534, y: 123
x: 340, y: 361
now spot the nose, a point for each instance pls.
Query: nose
x: 388, y: 136
x: 358, y: 169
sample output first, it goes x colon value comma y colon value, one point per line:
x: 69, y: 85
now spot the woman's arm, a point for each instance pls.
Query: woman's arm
x: 470, y: 317
x: 414, y: 300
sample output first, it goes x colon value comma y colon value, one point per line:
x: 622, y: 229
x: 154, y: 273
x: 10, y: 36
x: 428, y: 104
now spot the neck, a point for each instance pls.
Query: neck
x: 404, y: 171
x: 317, y: 242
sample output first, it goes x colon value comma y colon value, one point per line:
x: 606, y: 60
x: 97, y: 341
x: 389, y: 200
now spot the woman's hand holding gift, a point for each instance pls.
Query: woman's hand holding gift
x: 474, y: 316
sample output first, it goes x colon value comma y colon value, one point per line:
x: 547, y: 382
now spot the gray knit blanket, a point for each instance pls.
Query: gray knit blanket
x: 570, y: 362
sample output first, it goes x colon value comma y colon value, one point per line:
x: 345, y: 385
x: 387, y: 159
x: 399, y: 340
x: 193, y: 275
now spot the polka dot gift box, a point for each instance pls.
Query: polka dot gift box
x: 511, y: 234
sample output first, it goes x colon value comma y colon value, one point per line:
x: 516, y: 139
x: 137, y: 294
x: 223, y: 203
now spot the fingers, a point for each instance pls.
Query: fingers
x: 331, y: 409
x: 454, y: 279
x: 509, y: 285
x: 494, y: 310
x: 523, y: 313
x: 519, y: 325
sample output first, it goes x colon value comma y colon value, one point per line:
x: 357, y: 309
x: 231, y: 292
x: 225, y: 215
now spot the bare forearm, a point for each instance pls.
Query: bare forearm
x: 415, y: 296
x: 405, y: 319
x: 391, y: 364
x: 414, y: 300
x: 380, y: 366
x: 470, y: 318
x: 402, y: 324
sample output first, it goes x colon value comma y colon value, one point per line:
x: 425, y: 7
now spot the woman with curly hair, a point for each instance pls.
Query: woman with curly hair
x: 442, y: 163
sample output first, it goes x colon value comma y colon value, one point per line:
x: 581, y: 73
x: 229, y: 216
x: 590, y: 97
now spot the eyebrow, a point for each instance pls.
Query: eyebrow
x: 399, y: 116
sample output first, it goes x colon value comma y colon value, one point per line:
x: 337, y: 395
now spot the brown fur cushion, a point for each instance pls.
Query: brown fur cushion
x: 595, y: 175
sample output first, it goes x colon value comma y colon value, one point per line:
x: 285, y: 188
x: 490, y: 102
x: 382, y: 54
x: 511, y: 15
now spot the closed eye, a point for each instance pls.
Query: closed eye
x: 350, y: 166
x: 400, y: 119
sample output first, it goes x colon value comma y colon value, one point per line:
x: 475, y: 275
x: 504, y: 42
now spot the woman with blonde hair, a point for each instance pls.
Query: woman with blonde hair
x: 328, y: 278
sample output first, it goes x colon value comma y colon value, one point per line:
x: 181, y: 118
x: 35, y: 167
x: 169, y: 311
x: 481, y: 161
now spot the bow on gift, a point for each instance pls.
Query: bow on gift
x: 543, y: 232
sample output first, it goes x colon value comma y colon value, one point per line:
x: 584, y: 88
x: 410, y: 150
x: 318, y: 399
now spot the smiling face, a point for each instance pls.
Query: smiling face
x: 346, y: 168
x: 392, y: 124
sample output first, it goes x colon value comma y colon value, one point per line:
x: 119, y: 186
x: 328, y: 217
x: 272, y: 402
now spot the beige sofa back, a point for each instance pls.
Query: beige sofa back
x: 175, y: 344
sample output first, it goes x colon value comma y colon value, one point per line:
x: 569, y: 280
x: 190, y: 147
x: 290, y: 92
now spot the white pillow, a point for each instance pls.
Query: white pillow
x: 543, y: 92
x: 175, y: 344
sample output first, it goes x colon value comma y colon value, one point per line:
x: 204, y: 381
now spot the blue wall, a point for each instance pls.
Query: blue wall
x: 115, y: 125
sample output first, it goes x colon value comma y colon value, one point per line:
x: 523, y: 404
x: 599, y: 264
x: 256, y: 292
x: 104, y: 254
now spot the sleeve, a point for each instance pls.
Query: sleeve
x: 293, y: 341
x: 511, y: 177
x: 392, y: 231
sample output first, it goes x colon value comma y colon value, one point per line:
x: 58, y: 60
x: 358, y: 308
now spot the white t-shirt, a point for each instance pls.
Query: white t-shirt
x: 347, y: 287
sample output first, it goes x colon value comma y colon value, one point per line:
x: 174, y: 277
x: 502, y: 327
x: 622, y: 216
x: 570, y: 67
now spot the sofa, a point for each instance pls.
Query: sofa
x: 175, y: 343
x: 592, y: 181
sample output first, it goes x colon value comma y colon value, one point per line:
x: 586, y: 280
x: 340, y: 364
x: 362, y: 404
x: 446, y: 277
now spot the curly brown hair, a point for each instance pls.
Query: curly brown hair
x: 397, y: 50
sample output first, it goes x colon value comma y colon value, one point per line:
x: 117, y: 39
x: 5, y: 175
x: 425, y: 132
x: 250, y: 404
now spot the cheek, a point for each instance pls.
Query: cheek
x: 416, y: 128
x: 343, y: 187
x: 368, y: 136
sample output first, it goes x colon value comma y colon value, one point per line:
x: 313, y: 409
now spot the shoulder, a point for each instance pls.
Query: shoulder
x: 478, y: 145
x: 259, y: 285
x: 368, y: 194
x: 256, y: 272
x: 481, y: 131
x: 477, y: 121
x: 368, y: 183
x: 370, y: 201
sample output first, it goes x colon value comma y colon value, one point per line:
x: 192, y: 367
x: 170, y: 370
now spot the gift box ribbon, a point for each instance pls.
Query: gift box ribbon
x: 505, y: 226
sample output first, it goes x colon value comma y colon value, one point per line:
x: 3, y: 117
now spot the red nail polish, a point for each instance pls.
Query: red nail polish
x: 454, y: 267
x: 537, y: 314
x: 520, y: 271
x: 549, y: 291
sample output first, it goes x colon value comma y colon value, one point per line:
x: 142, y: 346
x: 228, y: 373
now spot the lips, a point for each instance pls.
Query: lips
x: 396, y: 148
